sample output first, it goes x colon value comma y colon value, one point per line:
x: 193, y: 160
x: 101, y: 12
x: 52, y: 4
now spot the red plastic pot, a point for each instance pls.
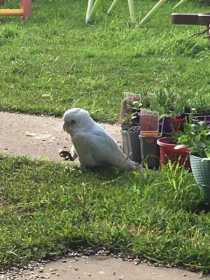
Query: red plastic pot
x: 172, y: 152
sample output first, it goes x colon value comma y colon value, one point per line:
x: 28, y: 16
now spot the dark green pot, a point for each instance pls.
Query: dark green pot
x: 131, y: 143
x: 150, y: 152
x: 201, y: 172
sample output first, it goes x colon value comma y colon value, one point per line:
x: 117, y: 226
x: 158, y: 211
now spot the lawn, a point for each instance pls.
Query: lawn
x: 55, y: 61
x: 47, y: 208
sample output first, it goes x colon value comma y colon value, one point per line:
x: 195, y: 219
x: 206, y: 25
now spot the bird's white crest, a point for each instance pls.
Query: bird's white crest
x: 75, y: 119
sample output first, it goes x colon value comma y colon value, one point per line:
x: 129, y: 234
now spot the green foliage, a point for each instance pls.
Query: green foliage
x: 196, y: 136
x: 54, y: 61
x: 47, y: 208
x: 131, y: 116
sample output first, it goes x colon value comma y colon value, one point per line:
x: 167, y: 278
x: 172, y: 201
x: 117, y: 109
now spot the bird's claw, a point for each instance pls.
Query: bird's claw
x: 66, y: 155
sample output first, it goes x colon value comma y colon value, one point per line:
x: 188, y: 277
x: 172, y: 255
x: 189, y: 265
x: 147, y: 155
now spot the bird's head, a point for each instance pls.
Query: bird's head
x: 76, y: 119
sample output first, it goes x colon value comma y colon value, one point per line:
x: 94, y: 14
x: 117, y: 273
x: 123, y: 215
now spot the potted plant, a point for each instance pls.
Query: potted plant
x: 171, y: 127
x: 129, y: 118
x: 197, y: 138
x: 149, y: 133
x: 202, y: 113
x: 170, y: 124
x: 171, y: 151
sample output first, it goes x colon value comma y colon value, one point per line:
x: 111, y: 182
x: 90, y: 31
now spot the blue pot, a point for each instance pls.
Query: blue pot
x: 201, y: 172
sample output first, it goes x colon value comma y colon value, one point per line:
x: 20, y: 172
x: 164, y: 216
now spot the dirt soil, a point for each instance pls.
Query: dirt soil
x: 42, y: 138
x: 100, y: 268
x: 38, y: 137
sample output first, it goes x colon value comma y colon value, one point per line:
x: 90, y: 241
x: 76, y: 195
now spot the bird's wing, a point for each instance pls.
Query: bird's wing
x: 101, y: 146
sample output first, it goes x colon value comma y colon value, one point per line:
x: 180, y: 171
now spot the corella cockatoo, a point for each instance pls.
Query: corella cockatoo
x: 93, y: 145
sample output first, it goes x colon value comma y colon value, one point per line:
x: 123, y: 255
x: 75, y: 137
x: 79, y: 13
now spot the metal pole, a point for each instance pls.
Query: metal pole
x: 131, y: 10
x: 89, y: 11
x: 112, y: 6
x: 178, y: 4
x: 94, y: 7
x: 157, y: 5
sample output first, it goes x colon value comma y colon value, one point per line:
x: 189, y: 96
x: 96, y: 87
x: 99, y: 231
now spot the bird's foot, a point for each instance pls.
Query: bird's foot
x: 66, y: 155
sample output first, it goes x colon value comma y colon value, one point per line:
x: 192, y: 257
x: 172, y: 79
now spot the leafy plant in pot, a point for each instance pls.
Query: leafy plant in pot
x: 129, y: 118
x: 170, y: 124
x: 199, y: 114
x: 170, y: 150
x: 149, y: 125
x: 197, y: 138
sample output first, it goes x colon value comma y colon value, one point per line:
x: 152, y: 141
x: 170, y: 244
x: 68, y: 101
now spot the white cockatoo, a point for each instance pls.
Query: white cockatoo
x: 93, y: 145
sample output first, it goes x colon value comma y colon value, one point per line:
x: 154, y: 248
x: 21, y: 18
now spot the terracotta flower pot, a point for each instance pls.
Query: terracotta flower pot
x: 172, y: 152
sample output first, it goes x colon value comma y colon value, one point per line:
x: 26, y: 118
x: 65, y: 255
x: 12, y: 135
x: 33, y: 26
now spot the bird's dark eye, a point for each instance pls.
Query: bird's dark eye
x: 72, y: 122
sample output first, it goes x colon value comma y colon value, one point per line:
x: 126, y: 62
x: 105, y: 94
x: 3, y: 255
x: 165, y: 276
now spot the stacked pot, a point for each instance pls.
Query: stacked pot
x: 140, y: 141
x: 148, y: 140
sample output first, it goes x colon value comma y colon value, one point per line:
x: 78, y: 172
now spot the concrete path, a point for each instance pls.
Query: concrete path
x: 37, y: 136
x: 100, y: 268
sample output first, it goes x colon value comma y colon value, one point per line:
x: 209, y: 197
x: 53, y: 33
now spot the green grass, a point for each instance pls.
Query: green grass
x: 46, y: 209
x: 54, y: 61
